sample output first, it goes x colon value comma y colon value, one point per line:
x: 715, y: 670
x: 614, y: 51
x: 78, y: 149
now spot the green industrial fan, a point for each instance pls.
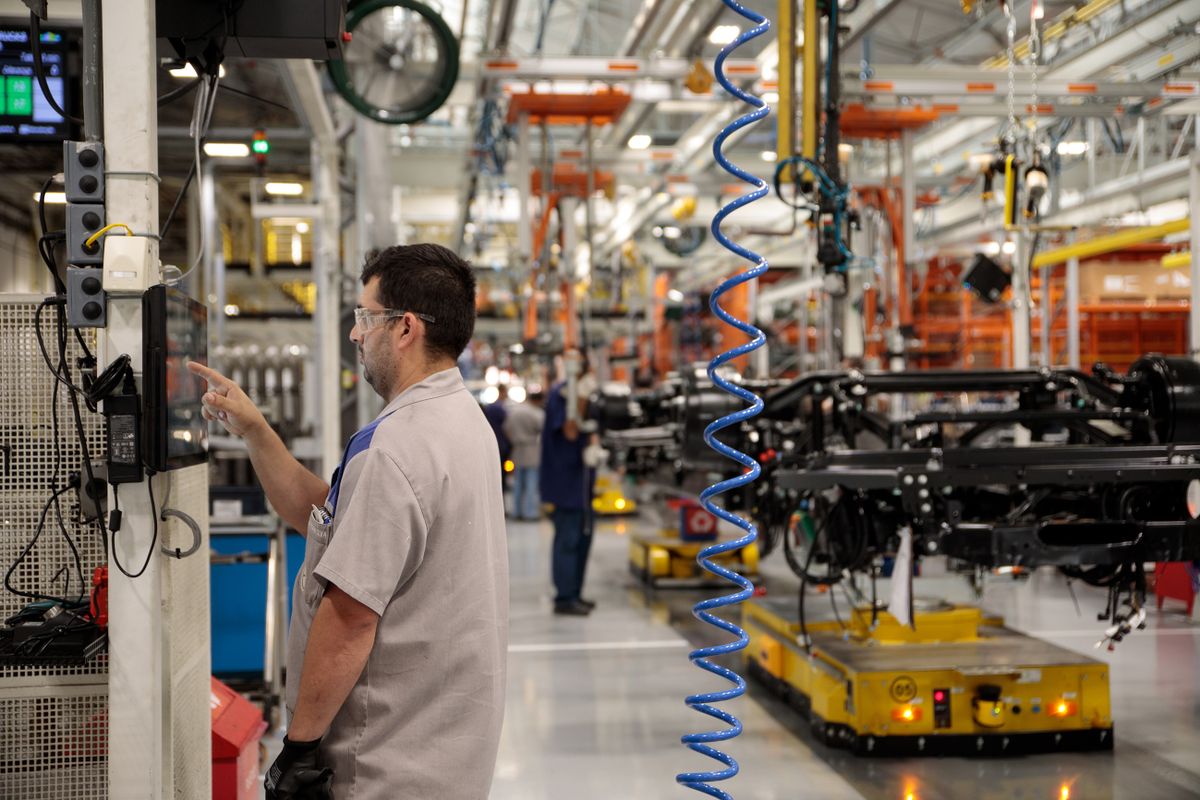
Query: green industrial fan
x: 400, y: 63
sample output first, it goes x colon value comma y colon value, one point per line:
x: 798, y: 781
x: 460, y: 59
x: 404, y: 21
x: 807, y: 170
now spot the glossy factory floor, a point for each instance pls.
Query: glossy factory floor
x: 595, y: 705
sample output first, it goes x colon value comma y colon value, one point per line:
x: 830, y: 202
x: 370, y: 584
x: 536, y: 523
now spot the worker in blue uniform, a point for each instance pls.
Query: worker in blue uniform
x: 570, y: 455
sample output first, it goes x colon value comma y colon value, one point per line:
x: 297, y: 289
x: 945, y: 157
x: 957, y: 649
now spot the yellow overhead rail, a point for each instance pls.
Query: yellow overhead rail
x: 1111, y: 242
x: 1176, y: 260
x: 1063, y: 23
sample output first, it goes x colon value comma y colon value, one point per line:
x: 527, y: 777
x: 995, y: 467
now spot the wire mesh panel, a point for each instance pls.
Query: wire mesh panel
x: 54, y: 747
x: 39, y: 448
x: 186, y: 624
x: 53, y: 720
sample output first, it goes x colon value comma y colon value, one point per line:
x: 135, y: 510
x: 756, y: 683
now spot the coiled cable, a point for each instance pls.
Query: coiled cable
x: 704, y: 703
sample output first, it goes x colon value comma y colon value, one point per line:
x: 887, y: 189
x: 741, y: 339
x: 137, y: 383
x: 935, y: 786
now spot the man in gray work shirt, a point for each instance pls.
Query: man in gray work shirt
x: 396, y: 652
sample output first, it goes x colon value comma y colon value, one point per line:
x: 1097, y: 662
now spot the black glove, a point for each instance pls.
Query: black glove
x: 297, y: 774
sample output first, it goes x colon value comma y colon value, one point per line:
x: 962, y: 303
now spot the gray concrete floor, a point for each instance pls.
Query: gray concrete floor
x: 595, y: 705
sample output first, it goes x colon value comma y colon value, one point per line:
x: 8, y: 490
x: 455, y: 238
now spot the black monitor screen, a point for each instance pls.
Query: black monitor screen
x: 176, y: 328
x: 25, y: 114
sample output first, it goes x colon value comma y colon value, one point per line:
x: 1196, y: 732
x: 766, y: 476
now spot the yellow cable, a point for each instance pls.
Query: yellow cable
x: 91, y: 240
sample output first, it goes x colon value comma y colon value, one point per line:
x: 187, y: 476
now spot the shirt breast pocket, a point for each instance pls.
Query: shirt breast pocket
x: 316, y: 542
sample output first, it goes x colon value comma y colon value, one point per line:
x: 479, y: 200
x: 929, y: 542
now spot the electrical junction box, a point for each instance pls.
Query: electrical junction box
x: 83, y: 172
x: 130, y: 266
x: 84, y: 219
x: 86, y: 300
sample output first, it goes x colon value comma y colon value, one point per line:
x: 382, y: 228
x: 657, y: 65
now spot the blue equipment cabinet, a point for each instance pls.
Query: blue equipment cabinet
x: 239, y: 600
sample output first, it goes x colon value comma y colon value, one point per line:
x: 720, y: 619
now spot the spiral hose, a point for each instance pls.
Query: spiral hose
x: 704, y: 703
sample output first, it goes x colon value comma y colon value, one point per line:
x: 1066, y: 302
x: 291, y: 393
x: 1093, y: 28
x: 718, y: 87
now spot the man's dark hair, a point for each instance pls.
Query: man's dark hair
x: 433, y: 280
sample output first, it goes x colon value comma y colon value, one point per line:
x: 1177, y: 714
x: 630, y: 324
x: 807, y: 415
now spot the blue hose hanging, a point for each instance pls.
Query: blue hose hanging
x: 703, y: 742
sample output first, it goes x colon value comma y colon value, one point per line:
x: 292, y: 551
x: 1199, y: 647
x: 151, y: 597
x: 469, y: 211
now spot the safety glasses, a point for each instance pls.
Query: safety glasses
x: 368, y: 320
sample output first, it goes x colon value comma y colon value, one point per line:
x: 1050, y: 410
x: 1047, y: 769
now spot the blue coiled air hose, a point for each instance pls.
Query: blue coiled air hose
x: 704, y: 703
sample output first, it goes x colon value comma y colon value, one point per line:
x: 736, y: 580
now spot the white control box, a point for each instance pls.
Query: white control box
x: 129, y: 264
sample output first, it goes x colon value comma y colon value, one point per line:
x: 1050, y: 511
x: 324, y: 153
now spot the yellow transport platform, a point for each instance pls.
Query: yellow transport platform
x: 666, y: 561
x: 959, y: 684
x: 610, y: 499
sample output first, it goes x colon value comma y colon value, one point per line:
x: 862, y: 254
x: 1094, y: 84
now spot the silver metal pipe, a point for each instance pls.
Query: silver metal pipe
x: 93, y: 75
x: 1073, y: 357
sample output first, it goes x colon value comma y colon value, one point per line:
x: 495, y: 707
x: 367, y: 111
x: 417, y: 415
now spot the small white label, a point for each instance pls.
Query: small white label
x: 227, y: 509
x: 1030, y: 676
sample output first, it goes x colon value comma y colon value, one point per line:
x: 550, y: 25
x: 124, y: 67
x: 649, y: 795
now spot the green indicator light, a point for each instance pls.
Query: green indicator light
x: 261, y: 146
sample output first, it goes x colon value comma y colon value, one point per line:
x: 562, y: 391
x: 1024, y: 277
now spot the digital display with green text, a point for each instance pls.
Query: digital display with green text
x: 24, y: 111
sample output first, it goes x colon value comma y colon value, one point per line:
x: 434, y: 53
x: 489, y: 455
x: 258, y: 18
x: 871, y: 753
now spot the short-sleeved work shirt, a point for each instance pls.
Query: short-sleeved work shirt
x: 414, y: 529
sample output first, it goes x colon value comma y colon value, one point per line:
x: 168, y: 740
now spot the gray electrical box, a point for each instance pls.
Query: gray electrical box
x: 86, y: 300
x: 84, y: 219
x: 83, y: 171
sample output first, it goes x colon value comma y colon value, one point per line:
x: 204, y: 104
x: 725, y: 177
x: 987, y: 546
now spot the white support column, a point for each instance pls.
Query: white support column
x: 214, y: 254
x: 524, y: 175
x: 376, y: 204
x: 1020, y: 302
x: 327, y: 267
x: 908, y: 205
x: 1194, y: 203
x: 138, y: 694
x: 1072, y: 308
x: 1047, y: 311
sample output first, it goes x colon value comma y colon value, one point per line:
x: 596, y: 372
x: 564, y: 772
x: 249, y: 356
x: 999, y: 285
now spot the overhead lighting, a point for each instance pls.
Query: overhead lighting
x: 768, y: 155
x: 640, y: 141
x: 226, y: 150
x: 285, y: 189
x: 1072, y: 148
x: 52, y: 198
x: 845, y: 150
x: 770, y: 98
x: 188, y: 71
x: 297, y: 250
x: 232, y: 310
x: 517, y: 394
x: 982, y: 160
x: 301, y: 227
x: 675, y: 296
x: 489, y: 395
x: 672, y: 232
x: 1008, y: 248
x: 724, y: 34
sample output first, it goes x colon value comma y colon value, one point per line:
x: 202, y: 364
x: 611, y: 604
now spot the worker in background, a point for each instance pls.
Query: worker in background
x: 399, y: 626
x: 570, y: 455
x: 496, y: 413
x: 523, y: 427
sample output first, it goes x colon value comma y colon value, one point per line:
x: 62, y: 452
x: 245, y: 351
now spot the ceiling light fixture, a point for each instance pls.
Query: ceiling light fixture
x: 52, y: 198
x: 640, y: 141
x: 284, y: 188
x: 226, y: 150
x: 724, y: 34
x: 188, y: 71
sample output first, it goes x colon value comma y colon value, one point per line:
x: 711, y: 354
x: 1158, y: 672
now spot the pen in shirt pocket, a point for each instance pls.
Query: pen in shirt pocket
x: 321, y: 516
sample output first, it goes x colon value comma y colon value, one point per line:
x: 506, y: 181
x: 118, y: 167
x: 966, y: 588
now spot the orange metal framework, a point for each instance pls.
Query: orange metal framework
x: 599, y: 108
x: 959, y: 331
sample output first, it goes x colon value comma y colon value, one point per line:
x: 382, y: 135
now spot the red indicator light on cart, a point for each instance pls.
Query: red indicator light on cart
x: 939, y: 695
